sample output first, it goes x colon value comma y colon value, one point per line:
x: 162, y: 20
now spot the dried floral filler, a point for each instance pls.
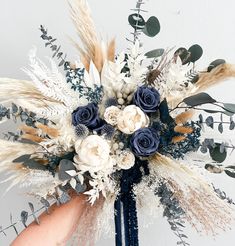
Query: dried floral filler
x: 125, y: 129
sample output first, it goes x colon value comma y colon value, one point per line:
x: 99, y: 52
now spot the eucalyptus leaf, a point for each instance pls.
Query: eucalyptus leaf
x: 33, y: 164
x: 64, y: 166
x: 220, y: 127
x: 183, y: 54
x: 199, y: 99
x: 232, y: 125
x: 136, y: 21
x: 230, y: 107
x: 22, y: 158
x: 33, y: 213
x: 155, y: 53
x: 215, y: 64
x: 24, y: 218
x: 216, y: 155
x: 64, y: 198
x: 196, y: 52
x: 230, y: 173
x: 200, y: 118
x: 210, y: 122
x: 152, y: 27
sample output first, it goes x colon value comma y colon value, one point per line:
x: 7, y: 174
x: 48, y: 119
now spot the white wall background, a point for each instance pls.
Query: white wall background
x: 209, y: 23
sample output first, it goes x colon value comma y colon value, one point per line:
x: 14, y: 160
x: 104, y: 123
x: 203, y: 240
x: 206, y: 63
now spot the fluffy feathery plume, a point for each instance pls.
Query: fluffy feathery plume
x: 111, y: 50
x: 92, y: 48
x: 94, y: 221
x: 217, y: 75
x: 202, y: 207
x: 12, y: 150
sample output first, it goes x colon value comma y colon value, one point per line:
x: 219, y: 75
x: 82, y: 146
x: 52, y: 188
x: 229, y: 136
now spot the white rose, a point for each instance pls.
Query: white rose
x: 126, y: 159
x: 93, y: 154
x: 111, y: 115
x: 131, y: 119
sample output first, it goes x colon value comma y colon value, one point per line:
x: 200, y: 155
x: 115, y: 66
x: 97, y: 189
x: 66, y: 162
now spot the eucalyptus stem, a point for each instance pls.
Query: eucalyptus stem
x: 20, y: 221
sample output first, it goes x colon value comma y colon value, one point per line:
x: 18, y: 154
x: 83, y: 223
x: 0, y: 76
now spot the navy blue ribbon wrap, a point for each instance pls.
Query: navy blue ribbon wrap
x: 125, y: 204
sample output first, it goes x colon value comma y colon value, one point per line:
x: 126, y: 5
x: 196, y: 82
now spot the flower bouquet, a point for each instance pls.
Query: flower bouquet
x: 124, y: 129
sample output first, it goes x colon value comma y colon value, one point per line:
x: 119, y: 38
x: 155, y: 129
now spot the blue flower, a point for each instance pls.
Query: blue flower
x: 144, y: 142
x: 87, y: 115
x: 147, y: 98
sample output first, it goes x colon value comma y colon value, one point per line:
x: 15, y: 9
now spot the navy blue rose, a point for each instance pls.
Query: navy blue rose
x: 147, y: 98
x: 144, y: 142
x: 87, y: 115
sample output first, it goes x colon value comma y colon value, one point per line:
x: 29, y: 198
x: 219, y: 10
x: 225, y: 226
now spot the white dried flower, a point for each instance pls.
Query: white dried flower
x: 125, y: 160
x: 93, y: 154
x: 131, y: 119
x: 111, y: 115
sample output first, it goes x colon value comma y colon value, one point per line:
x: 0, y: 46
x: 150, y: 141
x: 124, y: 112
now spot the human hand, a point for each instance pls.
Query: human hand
x: 56, y: 228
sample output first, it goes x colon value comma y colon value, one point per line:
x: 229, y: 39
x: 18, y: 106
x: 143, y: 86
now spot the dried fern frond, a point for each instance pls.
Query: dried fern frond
x: 184, y: 117
x: 217, y: 75
x: 202, y: 207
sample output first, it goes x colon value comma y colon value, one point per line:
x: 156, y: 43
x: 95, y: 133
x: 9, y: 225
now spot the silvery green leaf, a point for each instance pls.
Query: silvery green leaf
x: 210, y: 122
x: 64, y: 198
x: 203, y: 149
x: 230, y: 107
x: 24, y: 218
x: 80, y: 188
x: 46, y: 204
x: 215, y: 63
x: 152, y: 27
x: 14, y: 108
x: 232, y: 125
x: 220, y: 127
x: 154, y: 53
x: 209, y: 142
x: 199, y: 99
x: 22, y: 158
x: 65, y: 165
x: 33, y: 213
x: 216, y: 155
x: 200, y: 118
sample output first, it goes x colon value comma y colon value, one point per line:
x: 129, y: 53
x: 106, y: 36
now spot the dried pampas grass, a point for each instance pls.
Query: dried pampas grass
x: 218, y: 74
x: 92, y: 48
x: 203, y: 208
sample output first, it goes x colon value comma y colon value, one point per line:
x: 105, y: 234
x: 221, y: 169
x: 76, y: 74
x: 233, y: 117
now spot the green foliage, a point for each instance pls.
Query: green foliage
x: 216, y: 154
x: 155, y: 53
x: 215, y: 64
x: 199, y: 99
x: 152, y: 27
